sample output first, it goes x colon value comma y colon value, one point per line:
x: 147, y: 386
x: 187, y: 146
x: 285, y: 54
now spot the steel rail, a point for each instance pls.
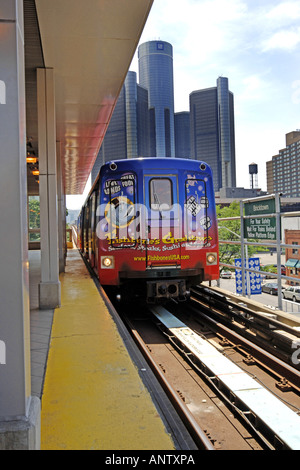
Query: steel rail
x: 219, y: 298
x: 238, y: 395
x: 273, y: 335
x: 266, y: 359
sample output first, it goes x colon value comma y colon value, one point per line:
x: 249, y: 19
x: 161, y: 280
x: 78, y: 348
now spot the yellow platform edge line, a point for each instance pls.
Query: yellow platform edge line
x: 93, y: 396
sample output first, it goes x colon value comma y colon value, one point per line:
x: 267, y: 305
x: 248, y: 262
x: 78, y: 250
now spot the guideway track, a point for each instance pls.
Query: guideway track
x: 269, y: 416
x: 273, y: 423
x: 191, y: 397
x: 193, y: 427
x: 286, y: 374
x: 261, y: 327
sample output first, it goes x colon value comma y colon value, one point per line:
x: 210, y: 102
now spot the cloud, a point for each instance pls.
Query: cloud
x: 284, y: 11
x: 197, y: 27
x: 296, y: 93
x: 279, y: 26
x: 285, y: 40
x: 254, y: 87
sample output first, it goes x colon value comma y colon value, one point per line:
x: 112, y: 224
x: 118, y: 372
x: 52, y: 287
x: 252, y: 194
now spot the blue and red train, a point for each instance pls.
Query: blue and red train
x: 149, y: 227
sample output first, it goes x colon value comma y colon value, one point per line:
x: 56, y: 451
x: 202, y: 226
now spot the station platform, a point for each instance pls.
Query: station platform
x: 93, y: 394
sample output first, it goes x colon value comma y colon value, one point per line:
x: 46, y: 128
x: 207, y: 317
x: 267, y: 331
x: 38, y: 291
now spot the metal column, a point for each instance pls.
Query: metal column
x: 49, y: 288
x: 61, y: 207
x: 278, y: 249
x: 19, y: 411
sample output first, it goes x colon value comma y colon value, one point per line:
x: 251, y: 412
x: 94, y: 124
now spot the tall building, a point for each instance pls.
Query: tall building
x: 284, y: 168
x: 156, y: 76
x: 128, y: 133
x: 144, y: 123
x: 182, y: 135
x: 212, y: 131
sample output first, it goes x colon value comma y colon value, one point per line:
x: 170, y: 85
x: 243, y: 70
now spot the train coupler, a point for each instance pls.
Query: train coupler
x: 166, y: 290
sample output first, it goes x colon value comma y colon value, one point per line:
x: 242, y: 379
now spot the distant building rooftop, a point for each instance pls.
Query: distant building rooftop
x: 238, y: 193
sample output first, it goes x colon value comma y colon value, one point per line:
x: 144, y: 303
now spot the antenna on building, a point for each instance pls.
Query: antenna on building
x: 253, y: 171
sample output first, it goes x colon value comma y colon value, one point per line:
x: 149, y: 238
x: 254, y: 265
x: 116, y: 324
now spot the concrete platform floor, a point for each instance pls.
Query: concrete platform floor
x: 91, y: 391
x: 40, y: 327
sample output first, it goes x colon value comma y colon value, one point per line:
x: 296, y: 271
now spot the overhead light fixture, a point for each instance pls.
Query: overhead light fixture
x: 35, y: 172
x: 31, y: 159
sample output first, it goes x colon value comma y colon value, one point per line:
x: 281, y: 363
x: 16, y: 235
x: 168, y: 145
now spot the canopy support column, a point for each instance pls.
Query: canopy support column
x: 49, y: 288
x: 19, y: 411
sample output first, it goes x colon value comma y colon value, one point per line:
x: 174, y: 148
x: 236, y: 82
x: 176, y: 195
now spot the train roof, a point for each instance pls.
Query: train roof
x: 150, y: 163
x: 163, y: 163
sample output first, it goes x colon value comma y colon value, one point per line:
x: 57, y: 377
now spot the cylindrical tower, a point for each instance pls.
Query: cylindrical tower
x: 253, y: 171
x: 156, y: 75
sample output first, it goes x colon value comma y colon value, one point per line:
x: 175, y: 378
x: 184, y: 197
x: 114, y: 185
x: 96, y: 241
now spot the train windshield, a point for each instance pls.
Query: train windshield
x: 161, y: 194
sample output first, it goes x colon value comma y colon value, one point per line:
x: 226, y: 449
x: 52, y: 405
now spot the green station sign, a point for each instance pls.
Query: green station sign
x: 260, y: 228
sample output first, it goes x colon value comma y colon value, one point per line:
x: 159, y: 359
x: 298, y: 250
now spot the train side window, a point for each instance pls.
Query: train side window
x: 161, y: 194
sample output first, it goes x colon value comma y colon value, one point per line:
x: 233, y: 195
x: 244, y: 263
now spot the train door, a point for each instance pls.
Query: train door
x: 162, y: 247
x: 96, y: 237
x: 92, y: 234
x: 85, y: 247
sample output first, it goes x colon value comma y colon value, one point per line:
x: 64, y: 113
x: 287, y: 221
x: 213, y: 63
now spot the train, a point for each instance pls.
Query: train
x: 148, y: 228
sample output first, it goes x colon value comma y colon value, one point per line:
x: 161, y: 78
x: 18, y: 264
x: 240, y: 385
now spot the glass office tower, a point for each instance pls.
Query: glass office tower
x: 130, y: 122
x: 212, y: 131
x: 226, y: 133
x: 156, y: 75
x: 128, y: 133
x: 182, y: 135
x: 114, y: 145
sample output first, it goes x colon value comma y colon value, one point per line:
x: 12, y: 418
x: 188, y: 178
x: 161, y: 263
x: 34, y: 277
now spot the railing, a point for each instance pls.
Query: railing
x: 244, y: 243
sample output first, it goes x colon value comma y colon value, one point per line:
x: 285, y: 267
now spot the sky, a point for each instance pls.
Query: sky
x: 256, y: 45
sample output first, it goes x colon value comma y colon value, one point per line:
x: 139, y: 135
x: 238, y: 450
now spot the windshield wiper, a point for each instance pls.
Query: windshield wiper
x: 158, y: 203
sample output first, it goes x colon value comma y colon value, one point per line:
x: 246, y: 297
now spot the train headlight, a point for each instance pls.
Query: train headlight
x: 107, y: 262
x: 211, y: 258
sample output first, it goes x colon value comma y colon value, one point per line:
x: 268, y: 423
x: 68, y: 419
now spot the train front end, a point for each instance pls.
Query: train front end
x: 157, y: 231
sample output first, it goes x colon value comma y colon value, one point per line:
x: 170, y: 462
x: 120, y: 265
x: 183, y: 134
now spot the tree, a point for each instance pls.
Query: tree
x: 34, y: 217
x: 231, y: 230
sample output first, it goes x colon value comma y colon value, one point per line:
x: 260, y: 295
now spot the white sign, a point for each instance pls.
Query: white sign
x: 2, y: 92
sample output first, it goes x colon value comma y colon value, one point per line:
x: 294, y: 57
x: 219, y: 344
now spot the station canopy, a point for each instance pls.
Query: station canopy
x: 90, y: 45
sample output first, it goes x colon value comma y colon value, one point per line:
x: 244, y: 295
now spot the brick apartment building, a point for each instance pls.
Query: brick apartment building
x: 292, y: 263
x: 283, y: 169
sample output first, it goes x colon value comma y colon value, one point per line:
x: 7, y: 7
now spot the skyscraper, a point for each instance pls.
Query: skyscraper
x: 128, y: 133
x: 182, y: 135
x: 144, y: 123
x: 212, y: 131
x: 156, y: 75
